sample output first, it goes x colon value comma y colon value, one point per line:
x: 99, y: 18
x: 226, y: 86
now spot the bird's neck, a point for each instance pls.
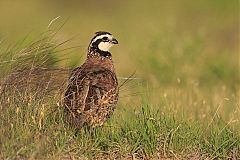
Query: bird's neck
x: 103, y: 59
x: 95, y: 52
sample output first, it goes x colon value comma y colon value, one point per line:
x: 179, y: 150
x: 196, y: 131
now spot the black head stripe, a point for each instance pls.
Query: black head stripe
x: 99, y: 33
x: 96, y: 43
x: 105, y: 38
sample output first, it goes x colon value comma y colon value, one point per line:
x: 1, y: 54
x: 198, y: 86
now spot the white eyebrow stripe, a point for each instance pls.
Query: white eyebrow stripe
x: 101, y: 36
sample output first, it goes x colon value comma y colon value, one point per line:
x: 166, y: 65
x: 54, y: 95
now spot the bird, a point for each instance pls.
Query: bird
x: 92, y: 92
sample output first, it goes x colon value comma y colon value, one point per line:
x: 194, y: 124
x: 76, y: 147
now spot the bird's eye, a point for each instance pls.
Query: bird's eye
x: 105, y: 39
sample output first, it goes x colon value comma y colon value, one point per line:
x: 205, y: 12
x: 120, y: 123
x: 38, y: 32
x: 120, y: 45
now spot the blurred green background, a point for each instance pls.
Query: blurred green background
x: 180, y: 48
x: 162, y: 40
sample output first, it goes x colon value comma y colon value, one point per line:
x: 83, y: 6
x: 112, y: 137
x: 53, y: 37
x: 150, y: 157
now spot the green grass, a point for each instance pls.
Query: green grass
x: 183, y: 104
x: 181, y: 125
x: 38, y: 131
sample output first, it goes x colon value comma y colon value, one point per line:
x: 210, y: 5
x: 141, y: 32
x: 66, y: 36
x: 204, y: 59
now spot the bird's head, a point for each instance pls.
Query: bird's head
x: 102, y: 42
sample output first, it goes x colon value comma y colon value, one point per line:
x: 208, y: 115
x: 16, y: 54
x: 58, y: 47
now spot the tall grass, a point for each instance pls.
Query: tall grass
x: 182, y: 124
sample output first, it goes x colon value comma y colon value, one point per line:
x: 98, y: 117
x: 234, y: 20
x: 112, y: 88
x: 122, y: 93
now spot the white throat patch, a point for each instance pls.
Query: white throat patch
x: 105, y: 46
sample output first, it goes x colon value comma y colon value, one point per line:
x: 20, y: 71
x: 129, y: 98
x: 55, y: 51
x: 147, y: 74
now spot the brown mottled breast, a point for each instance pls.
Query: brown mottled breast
x: 92, y: 93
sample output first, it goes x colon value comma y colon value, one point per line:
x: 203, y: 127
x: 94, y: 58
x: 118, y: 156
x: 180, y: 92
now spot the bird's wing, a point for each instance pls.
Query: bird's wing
x: 102, y: 84
x: 89, y: 87
x: 77, y: 91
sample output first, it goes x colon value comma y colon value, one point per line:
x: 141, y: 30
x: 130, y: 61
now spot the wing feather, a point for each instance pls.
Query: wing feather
x: 90, y: 94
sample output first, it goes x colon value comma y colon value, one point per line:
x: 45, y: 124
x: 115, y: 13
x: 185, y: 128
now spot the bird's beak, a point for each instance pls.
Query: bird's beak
x: 114, y: 41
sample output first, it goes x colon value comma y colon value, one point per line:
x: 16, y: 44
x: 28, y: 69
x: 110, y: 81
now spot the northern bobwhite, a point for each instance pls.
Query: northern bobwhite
x: 92, y: 91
